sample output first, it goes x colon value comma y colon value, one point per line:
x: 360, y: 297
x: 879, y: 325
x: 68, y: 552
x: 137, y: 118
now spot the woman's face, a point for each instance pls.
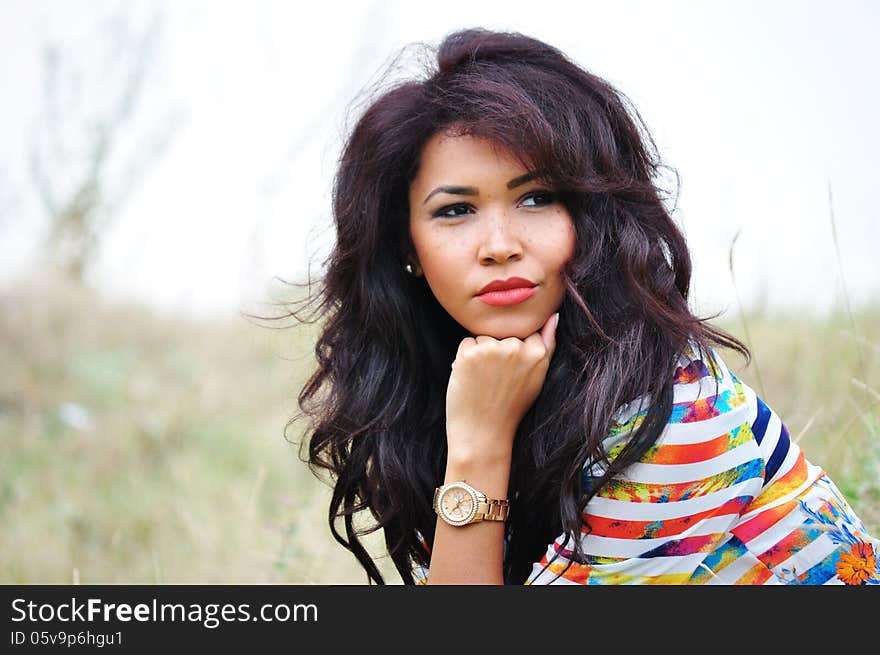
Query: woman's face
x: 475, y: 218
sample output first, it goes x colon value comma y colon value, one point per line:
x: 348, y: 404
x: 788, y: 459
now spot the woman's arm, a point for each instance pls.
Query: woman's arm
x: 472, y: 554
x: 492, y: 385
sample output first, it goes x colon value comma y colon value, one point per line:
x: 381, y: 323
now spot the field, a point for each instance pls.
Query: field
x: 142, y: 448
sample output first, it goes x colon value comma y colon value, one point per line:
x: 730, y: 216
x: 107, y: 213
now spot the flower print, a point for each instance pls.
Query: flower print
x: 788, y: 576
x: 858, y: 566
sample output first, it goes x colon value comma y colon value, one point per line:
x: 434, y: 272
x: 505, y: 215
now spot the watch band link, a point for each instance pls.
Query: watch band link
x: 493, y: 510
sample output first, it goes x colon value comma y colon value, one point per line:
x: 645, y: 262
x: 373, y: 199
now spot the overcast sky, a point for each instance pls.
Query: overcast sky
x: 759, y: 106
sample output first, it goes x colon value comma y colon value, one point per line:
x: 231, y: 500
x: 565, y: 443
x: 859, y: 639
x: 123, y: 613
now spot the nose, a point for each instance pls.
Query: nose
x: 500, y: 241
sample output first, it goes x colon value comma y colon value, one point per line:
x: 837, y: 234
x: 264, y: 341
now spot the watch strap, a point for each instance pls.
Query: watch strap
x: 493, y: 510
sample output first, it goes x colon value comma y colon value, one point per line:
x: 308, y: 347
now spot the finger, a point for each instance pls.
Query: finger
x: 465, y: 344
x: 548, y: 333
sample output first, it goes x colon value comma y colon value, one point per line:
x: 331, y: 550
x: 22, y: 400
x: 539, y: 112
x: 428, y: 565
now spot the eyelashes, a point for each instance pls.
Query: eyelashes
x: 549, y: 197
x: 543, y: 198
x: 444, y: 212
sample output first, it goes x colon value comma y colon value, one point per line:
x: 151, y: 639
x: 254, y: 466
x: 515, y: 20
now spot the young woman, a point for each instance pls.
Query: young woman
x: 510, y: 380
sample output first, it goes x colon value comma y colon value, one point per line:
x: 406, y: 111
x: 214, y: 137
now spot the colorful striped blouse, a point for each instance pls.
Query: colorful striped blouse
x: 723, y: 497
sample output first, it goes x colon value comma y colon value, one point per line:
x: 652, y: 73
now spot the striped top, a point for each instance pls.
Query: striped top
x: 723, y: 497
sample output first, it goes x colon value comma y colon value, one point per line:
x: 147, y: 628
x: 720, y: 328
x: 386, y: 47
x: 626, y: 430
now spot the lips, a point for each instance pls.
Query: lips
x: 504, y: 285
x: 511, y: 291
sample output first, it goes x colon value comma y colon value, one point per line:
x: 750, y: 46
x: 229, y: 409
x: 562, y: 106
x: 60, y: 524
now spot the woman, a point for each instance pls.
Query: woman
x: 510, y: 380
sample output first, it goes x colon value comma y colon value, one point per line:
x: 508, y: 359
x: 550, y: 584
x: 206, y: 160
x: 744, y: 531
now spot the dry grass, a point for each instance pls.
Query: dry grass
x: 822, y: 376
x: 179, y: 471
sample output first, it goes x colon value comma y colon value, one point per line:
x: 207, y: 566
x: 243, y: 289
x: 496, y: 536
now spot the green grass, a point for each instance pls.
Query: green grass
x: 184, y: 475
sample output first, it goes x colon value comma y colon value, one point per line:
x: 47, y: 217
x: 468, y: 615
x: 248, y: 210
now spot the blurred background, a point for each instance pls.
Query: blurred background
x: 166, y: 167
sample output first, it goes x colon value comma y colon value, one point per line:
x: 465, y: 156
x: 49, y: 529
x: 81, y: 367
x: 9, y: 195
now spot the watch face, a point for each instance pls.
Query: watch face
x: 457, y: 505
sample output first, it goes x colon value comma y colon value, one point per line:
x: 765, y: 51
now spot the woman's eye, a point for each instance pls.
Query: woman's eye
x: 452, y: 211
x: 541, y: 198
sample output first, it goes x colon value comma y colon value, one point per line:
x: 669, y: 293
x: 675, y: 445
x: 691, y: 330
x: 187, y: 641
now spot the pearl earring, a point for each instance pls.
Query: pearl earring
x: 409, y: 268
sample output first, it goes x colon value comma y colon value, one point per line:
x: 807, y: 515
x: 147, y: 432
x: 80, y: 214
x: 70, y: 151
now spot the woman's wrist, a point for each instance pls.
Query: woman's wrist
x: 487, y: 472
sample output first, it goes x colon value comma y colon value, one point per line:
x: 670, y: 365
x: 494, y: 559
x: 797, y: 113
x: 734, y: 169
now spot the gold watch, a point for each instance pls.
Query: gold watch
x: 458, y: 503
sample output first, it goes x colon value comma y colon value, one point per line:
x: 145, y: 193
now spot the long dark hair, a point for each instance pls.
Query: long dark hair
x: 377, y: 398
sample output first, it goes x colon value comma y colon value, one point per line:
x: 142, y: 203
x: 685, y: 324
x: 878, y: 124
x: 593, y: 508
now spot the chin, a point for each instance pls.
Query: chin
x: 502, y: 328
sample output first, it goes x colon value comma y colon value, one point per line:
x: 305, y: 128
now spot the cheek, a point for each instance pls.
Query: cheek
x: 564, y: 241
x: 570, y: 243
x: 439, y: 258
x: 441, y: 277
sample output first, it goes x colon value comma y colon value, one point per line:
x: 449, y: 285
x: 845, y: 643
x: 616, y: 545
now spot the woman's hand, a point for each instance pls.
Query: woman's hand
x: 493, y: 384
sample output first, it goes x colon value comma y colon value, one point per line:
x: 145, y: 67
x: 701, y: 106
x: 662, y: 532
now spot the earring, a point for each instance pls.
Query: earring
x: 409, y: 268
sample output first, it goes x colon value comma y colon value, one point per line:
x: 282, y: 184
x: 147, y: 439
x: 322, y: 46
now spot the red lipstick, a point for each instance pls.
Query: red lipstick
x: 511, y: 291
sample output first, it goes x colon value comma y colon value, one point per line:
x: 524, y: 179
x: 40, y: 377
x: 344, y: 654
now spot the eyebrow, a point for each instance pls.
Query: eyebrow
x: 473, y: 191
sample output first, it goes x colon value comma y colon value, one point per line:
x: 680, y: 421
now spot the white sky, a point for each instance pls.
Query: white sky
x: 758, y: 106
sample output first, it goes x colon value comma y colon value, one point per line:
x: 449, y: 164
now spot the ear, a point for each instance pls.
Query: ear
x: 417, y: 267
x: 408, y: 255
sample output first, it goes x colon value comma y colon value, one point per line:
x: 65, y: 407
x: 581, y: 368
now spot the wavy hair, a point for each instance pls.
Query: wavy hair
x: 377, y: 397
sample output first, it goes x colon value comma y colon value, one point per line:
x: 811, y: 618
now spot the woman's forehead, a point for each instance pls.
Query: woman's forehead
x: 447, y: 153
